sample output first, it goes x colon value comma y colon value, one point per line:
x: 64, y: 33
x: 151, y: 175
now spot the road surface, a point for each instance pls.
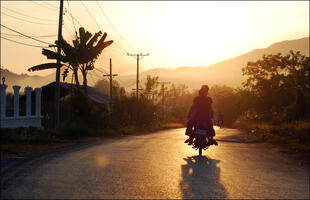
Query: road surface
x: 157, y: 165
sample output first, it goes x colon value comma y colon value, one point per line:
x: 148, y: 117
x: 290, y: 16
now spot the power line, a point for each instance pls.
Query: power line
x: 53, y: 6
x: 25, y: 35
x: 114, y: 26
x: 35, y: 36
x: 91, y: 15
x: 22, y: 43
x: 51, y: 20
x: 92, y: 78
x: 104, y: 72
x: 77, y: 21
x: 26, y: 20
x: 100, y: 28
x: 138, y: 57
x: 72, y: 18
x: 67, y: 27
x: 95, y: 74
x: 53, y: 9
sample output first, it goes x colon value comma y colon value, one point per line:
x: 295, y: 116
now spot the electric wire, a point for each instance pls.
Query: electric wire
x: 50, y: 5
x: 19, y: 13
x: 94, y: 20
x: 72, y: 18
x: 26, y: 35
x: 91, y: 78
x: 91, y: 15
x: 26, y: 20
x: 53, y: 9
x: 66, y: 30
x: 69, y: 31
x: 99, y: 25
x: 35, y: 36
x: 23, y: 43
x: 102, y: 70
x: 77, y: 21
x: 114, y: 26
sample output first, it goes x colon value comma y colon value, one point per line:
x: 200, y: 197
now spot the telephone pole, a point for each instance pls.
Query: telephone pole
x: 57, y: 85
x: 111, y: 75
x: 163, y: 99
x: 136, y: 89
x: 138, y: 57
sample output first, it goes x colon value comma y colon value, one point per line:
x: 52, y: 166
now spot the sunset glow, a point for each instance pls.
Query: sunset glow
x: 173, y: 33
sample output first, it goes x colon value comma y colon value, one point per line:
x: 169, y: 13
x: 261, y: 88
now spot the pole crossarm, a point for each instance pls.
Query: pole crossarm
x: 111, y: 75
x: 138, y: 56
x: 111, y: 82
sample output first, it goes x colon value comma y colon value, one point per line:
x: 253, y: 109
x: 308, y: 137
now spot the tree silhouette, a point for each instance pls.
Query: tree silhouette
x: 79, y: 56
x: 280, y: 83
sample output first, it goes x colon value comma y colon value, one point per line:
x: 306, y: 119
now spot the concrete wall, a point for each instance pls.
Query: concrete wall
x: 20, y: 121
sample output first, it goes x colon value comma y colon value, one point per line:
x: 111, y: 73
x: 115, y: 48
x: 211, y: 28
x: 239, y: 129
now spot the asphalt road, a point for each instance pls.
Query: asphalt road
x: 157, y: 165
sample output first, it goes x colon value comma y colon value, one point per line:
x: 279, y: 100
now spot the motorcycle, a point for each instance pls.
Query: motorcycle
x: 201, y: 139
x: 202, y: 134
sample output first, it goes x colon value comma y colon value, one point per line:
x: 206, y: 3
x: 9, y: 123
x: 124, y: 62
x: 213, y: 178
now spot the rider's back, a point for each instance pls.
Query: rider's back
x: 202, y: 106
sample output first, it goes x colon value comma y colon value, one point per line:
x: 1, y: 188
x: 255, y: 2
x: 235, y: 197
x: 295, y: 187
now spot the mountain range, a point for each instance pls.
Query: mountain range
x: 228, y: 72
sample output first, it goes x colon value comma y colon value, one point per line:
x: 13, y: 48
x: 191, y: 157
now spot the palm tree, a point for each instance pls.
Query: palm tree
x: 80, y: 56
x: 88, y: 52
x: 68, y: 59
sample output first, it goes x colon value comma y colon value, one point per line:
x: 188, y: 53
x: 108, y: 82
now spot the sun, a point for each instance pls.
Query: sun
x: 199, y: 32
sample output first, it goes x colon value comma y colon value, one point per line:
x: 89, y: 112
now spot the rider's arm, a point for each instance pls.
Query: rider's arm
x: 190, y: 111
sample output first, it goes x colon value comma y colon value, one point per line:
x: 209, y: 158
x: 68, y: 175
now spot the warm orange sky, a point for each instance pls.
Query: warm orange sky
x: 174, y: 33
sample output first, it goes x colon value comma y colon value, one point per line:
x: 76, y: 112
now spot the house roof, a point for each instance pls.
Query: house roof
x: 48, y: 92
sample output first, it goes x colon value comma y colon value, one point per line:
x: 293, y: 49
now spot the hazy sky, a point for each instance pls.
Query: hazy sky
x: 174, y: 33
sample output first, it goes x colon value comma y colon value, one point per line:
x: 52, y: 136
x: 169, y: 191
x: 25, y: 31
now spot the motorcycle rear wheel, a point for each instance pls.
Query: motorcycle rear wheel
x: 200, y: 151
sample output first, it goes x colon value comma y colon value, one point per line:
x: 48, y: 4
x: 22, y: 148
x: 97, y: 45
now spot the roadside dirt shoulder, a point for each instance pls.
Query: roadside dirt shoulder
x: 251, y: 137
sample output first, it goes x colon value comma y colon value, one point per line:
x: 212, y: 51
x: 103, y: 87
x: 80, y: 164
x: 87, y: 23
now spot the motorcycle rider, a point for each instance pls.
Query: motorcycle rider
x: 201, y: 112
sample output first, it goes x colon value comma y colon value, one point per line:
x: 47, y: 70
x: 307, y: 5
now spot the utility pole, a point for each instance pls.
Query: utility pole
x: 136, y: 89
x: 57, y: 86
x: 138, y: 57
x: 163, y: 93
x: 111, y: 75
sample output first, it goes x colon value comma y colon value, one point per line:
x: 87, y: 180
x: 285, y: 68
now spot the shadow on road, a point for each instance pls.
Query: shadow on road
x: 201, y: 179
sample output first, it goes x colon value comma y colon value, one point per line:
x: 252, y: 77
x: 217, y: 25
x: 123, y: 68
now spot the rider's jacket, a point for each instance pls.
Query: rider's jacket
x: 202, y: 107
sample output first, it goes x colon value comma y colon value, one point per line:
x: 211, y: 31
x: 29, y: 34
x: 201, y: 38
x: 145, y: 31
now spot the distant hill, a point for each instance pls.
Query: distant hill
x: 225, y: 72
x: 24, y: 80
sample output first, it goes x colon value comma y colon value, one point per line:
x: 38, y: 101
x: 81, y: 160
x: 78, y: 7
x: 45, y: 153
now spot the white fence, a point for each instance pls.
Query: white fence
x: 16, y: 120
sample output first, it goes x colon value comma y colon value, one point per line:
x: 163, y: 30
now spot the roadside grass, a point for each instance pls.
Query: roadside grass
x: 24, y: 140
x: 29, y: 135
x: 293, y: 136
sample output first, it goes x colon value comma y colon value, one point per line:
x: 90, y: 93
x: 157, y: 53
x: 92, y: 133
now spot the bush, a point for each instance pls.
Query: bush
x: 28, y: 135
x: 133, y: 111
x: 72, y: 130
x: 293, y: 135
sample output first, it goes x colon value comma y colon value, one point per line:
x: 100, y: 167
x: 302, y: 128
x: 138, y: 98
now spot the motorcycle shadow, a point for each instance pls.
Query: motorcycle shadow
x: 201, y: 179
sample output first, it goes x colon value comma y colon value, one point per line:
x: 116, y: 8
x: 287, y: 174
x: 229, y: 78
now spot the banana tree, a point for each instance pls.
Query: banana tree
x: 80, y: 56
x: 68, y: 59
x: 88, y: 51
